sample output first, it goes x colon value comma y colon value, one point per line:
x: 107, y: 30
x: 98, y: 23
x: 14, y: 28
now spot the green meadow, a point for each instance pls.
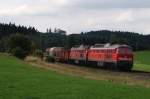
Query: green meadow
x: 19, y: 80
x: 142, y: 60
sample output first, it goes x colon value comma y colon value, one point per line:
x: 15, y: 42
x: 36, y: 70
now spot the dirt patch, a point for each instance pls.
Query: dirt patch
x: 140, y: 78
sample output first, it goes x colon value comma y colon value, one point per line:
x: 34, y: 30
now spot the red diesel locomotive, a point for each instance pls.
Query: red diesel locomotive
x: 102, y: 55
x: 111, y: 56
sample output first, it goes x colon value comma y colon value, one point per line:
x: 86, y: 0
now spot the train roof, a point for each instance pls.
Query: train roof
x: 80, y: 47
x: 103, y: 46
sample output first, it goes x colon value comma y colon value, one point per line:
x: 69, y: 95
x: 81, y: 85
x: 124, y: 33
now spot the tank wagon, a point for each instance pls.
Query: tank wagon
x: 58, y: 53
x: 102, y: 55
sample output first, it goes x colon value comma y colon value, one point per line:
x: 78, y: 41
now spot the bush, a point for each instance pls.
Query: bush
x: 19, y: 45
x: 18, y: 52
x: 50, y: 59
x: 38, y: 53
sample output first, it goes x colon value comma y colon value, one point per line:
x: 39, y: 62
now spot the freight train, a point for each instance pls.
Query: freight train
x: 114, y: 56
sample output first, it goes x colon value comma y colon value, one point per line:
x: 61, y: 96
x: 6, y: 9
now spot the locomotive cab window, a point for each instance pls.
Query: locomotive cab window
x: 124, y: 50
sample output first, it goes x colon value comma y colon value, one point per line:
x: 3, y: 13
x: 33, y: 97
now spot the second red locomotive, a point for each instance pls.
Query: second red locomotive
x: 102, y: 55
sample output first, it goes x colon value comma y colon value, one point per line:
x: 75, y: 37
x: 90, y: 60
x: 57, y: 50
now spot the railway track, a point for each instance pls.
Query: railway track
x: 140, y: 78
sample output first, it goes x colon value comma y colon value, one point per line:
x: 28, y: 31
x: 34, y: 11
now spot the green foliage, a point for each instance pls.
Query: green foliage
x: 50, y: 59
x: 19, y: 80
x: 19, y: 45
x: 59, y: 39
x: 38, y: 53
x: 9, y: 29
x: 4, y: 44
x: 18, y: 52
x: 53, y: 39
x: 137, y: 41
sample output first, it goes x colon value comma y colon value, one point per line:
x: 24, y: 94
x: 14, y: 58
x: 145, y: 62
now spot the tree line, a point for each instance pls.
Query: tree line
x: 135, y: 40
x: 21, y: 40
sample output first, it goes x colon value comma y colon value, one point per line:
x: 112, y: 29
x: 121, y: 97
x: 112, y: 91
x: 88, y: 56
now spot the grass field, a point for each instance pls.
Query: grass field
x: 142, y: 60
x: 18, y: 80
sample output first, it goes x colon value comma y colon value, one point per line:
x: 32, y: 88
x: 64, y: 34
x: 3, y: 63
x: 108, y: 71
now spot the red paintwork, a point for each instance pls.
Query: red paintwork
x: 66, y: 55
x: 126, y: 56
x: 103, y: 55
x: 78, y: 54
x: 111, y: 54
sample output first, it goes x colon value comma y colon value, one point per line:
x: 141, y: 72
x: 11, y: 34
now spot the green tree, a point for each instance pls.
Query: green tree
x: 19, y: 45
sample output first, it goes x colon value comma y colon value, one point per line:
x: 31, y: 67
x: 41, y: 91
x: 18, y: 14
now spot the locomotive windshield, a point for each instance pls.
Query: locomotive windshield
x: 125, y: 50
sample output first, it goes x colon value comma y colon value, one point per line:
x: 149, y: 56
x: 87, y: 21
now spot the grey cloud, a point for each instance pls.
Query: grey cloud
x: 79, y: 15
x: 100, y: 4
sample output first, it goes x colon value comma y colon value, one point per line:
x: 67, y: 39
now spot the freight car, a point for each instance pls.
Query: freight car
x: 102, y: 55
x: 59, y: 54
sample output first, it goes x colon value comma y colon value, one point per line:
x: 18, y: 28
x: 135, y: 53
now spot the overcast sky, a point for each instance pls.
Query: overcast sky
x: 76, y: 16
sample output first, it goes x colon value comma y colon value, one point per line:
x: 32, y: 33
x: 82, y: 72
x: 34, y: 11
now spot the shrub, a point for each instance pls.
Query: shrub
x: 18, y: 52
x: 19, y: 45
x: 50, y: 59
x: 38, y: 53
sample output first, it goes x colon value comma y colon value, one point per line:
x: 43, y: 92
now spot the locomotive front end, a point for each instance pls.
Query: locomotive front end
x: 124, y: 58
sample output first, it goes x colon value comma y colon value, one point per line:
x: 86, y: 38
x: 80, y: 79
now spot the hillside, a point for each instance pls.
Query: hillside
x: 18, y: 80
x: 135, y: 40
x: 59, y: 38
